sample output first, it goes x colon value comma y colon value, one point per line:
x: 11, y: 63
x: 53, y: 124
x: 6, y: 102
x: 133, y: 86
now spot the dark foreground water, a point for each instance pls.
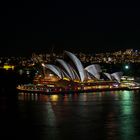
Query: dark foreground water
x: 102, y: 115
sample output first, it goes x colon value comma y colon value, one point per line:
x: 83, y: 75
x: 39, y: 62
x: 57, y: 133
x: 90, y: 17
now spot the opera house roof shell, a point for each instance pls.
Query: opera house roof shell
x: 77, y: 72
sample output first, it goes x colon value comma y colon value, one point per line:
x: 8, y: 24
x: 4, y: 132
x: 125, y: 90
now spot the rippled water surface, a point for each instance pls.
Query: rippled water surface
x: 112, y: 115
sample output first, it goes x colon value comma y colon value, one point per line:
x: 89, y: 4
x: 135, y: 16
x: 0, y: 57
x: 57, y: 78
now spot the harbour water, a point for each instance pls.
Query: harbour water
x: 110, y: 115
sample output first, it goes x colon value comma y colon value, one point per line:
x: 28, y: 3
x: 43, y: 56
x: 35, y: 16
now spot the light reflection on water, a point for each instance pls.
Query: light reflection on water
x: 100, y: 115
x: 115, y: 95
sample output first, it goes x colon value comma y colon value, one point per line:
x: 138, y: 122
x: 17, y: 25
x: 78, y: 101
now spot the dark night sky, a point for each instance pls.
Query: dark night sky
x: 67, y: 25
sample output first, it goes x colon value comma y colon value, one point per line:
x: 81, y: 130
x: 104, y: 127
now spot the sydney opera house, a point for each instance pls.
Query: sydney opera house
x: 75, y: 71
x: 69, y: 74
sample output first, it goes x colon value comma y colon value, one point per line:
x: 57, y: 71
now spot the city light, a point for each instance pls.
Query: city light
x: 43, y: 64
x: 126, y: 67
x: 7, y: 67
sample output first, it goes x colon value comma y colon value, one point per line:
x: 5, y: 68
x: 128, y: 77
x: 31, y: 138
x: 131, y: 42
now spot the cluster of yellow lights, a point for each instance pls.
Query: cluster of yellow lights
x: 77, y: 81
x: 7, y: 67
x: 65, y: 78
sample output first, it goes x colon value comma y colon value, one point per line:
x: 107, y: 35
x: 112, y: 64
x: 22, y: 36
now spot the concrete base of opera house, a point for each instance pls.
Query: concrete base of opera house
x: 44, y: 89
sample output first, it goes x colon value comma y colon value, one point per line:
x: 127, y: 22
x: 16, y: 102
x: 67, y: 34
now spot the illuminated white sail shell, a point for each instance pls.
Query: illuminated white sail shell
x: 108, y: 76
x: 78, y: 65
x: 94, y: 69
x: 117, y: 76
x: 55, y: 70
x: 66, y: 67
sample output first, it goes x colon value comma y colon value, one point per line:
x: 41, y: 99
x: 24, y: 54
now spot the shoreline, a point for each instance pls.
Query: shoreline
x: 75, y: 91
